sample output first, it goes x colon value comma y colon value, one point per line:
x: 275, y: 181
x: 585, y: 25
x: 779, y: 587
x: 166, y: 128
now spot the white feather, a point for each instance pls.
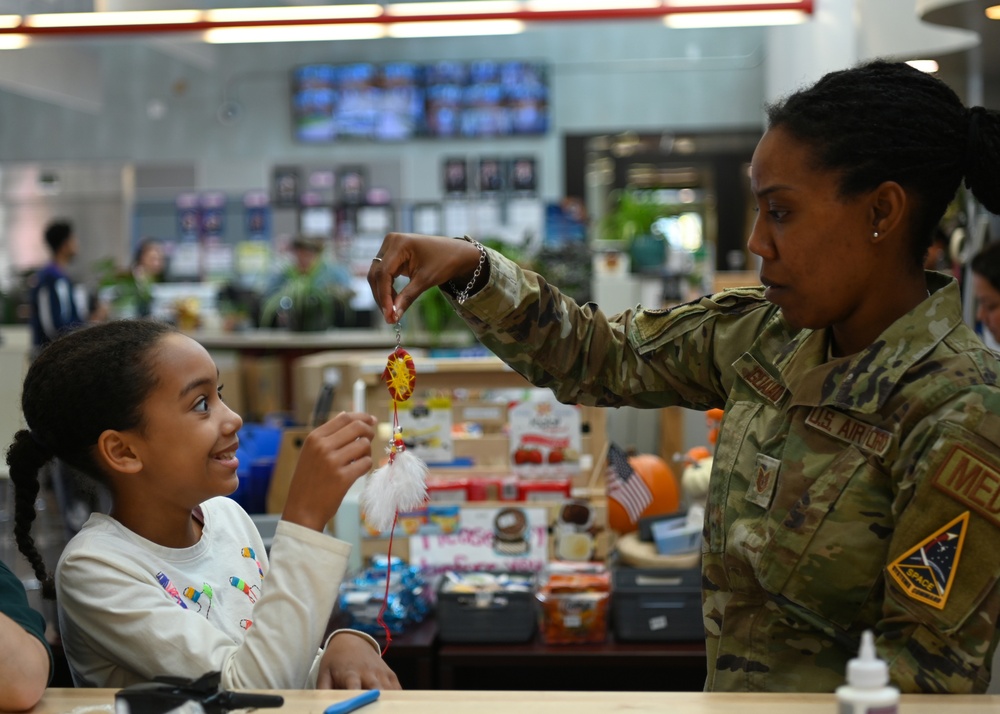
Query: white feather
x: 400, y: 485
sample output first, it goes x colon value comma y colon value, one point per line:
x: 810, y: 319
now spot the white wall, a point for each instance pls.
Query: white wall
x: 611, y: 76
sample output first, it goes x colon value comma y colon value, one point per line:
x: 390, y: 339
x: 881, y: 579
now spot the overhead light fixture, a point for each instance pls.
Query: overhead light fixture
x: 294, y: 33
x: 735, y: 19
x: 13, y: 42
x: 111, y: 19
x: 242, y: 15
x: 927, y: 65
x: 575, y: 5
x: 993, y: 12
x: 458, y: 28
x: 734, y: 13
x: 446, y: 7
x: 404, y: 19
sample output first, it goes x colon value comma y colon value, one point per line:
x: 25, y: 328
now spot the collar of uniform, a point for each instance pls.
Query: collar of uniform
x: 863, y: 381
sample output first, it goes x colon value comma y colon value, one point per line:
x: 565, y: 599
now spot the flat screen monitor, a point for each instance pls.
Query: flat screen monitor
x: 395, y: 101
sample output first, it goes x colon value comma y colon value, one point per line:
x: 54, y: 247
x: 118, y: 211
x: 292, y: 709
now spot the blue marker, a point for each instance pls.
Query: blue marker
x: 349, y: 705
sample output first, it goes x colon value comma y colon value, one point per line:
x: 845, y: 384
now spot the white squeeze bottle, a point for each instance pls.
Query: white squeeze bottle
x: 867, y: 690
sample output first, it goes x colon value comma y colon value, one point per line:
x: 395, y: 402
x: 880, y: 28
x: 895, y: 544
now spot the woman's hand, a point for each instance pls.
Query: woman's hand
x: 334, y: 455
x: 350, y: 662
x: 426, y: 260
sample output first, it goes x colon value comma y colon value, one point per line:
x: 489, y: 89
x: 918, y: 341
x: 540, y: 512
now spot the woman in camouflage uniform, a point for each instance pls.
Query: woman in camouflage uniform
x: 856, y: 482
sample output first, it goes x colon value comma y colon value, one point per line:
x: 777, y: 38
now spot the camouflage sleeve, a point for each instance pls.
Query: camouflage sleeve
x: 941, y: 605
x: 640, y: 358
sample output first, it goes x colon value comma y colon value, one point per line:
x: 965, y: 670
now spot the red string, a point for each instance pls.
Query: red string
x: 392, y: 531
x: 385, y: 598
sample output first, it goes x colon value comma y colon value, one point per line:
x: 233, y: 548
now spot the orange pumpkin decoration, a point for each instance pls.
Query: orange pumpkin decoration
x: 662, y: 483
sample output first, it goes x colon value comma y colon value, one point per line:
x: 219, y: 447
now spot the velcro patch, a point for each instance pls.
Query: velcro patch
x: 840, y: 426
x: 927, y: 571
x: 971, y: 481
x: 761, y: 487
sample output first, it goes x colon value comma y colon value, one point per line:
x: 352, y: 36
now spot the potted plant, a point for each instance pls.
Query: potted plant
x: 632, y: 222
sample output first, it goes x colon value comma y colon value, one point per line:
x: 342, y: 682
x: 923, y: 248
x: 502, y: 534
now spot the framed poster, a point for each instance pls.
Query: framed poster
x: 456, y: 178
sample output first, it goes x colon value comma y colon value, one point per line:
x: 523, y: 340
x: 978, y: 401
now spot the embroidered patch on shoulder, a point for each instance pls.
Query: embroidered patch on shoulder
x: 971, y: 481
x: 927, y: 571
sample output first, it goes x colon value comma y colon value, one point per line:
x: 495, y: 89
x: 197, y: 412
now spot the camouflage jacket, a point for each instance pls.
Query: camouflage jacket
x: 846, y: 494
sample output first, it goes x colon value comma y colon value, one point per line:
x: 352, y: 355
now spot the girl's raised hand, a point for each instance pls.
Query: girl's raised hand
x: 333, y: 456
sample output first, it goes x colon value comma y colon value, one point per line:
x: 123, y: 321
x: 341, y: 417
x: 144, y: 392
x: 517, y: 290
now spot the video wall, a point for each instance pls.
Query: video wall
x: 396, y: 101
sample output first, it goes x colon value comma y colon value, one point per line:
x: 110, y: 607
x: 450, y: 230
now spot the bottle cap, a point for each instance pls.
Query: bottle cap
x: 867, y: 670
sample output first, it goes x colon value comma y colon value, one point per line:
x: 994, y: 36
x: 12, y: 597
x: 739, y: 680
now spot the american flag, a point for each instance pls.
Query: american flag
x: 626, y: 486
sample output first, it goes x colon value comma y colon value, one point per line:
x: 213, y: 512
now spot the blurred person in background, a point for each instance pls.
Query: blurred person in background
x: 60, y: 305
x: 985, y: 267
x: 147, y: 269
x: 57, y: 303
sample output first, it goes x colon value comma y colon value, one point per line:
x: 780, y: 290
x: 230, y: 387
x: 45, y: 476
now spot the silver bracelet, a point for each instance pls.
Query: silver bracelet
x: 462, y: 296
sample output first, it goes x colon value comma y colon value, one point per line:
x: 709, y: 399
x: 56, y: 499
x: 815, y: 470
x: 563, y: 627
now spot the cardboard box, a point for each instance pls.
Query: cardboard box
x: 264, y: 385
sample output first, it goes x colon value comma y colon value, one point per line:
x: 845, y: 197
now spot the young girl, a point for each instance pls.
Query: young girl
x: 175, y: 580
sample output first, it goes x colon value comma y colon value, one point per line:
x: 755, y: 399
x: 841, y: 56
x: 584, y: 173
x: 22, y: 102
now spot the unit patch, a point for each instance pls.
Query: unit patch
x: 970, y: 481
x: 927, y: 571
x: 866, y: 437
x: 765, y: 475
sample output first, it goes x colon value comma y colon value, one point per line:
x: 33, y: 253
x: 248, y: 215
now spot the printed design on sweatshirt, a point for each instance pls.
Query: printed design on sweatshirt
x: 245, y: 623
x: 248, y: 553
x: 164, y: 581
x: 251, y: 591
x: 201, y: 598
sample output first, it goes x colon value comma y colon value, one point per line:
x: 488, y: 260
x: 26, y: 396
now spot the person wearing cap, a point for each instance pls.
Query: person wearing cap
x: 307, y: 281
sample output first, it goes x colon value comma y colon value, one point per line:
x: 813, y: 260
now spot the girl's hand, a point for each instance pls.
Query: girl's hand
x: 334, y: 455
x: 426, y: 260
x: 350, y: 662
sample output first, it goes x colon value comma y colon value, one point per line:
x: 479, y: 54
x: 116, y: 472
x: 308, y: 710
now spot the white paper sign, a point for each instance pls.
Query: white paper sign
x: 488, y: 539
x: 544, y: 438
x: 426, y: 428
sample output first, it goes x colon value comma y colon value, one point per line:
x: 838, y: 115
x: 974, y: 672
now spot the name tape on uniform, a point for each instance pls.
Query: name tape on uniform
x: 971, y: 481
x: 840, y: 426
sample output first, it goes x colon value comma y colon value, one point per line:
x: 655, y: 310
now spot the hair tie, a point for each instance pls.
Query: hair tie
x: 972, y: 137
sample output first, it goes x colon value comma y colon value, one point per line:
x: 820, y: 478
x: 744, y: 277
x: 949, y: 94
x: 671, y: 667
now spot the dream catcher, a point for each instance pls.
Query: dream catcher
x: 401, y: 484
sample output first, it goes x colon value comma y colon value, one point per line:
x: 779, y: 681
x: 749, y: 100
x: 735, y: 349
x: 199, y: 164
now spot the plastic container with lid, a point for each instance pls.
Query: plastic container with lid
x: 867, y: 690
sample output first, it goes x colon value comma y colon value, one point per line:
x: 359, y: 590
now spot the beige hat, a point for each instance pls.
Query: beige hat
x: 312, y: 243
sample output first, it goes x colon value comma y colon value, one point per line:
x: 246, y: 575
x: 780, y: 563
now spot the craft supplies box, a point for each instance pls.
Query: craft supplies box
x: 573, y: 604
x: 657, y: 605
x: 486, y: 607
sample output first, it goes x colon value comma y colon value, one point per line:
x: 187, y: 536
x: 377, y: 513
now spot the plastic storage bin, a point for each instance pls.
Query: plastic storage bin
x: 657, y: 605
x: 486, y: 607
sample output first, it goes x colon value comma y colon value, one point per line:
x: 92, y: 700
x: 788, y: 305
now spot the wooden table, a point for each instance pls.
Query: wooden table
x: 97, y: 701
x: 610, y: 665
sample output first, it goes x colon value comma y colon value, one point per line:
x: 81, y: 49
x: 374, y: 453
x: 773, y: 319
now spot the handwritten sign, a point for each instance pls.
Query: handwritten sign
x: 489, y: 539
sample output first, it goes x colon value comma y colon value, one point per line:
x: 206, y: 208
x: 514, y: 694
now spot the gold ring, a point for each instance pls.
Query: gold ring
x: 376, y: 259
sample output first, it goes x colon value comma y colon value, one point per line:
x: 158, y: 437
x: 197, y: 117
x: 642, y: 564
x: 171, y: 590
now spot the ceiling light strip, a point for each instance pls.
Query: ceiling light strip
x: 164, y: 22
